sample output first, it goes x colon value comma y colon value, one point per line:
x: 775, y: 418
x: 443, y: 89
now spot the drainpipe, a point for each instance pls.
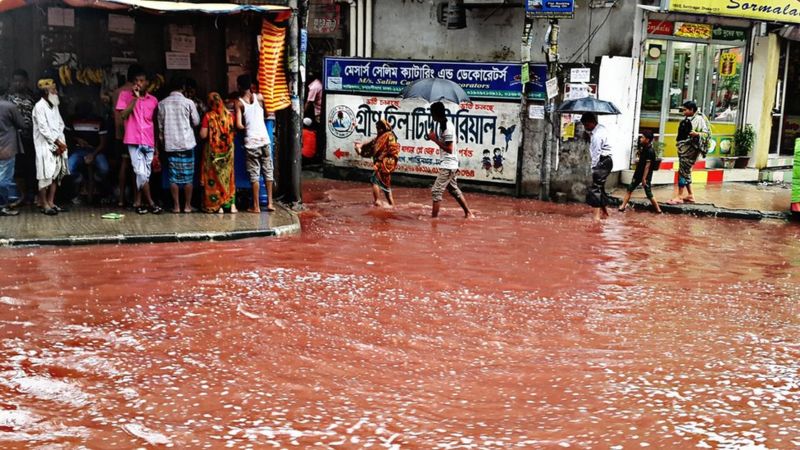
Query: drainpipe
x: 352, y: 26
x: 368, y: 30
x: 360, y: 28
x: 296, y: 88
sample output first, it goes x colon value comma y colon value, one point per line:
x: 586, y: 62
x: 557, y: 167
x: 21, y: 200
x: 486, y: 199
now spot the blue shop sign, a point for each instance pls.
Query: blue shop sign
x: 386, y: 76
x: 553, y: 9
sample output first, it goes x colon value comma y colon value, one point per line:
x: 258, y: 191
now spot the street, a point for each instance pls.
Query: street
x: 527, y: 327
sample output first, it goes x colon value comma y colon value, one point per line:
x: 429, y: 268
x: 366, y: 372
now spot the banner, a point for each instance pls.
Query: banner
x: 479, y: 80
x: 550, y: 9
x: 767, y: 10
x: 488, y: 135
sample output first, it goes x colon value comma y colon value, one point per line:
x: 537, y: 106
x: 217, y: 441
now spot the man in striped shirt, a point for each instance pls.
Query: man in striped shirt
x: 177, y: 115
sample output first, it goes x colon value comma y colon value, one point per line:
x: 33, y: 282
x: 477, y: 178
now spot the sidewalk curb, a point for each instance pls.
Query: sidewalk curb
x: 710, y: 210
x: 283, y: 230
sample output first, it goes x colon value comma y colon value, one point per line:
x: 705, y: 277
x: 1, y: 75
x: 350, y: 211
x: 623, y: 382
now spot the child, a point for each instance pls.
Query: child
x: 444, y: 135
x: 644, y: 171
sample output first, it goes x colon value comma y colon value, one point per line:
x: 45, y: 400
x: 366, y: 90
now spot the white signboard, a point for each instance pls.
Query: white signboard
x: 488, y: 135
x: 178, y: 61
x: 121, y: 24
x: 535, y: 111
x: 552, y: 88
x: 182, y: 43
x: 580, y: 75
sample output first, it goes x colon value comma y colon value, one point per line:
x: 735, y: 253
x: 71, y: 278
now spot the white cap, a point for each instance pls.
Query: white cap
x: 307, y: 121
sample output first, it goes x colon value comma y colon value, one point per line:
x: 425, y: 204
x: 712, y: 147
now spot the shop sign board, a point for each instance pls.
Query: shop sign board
x: 385, y: 76
x: 729, y: 34
x: 766, y: 10
x: 660, y: 27
x: 551, y: 9
x: 488, y: 135
x: 693, y: 30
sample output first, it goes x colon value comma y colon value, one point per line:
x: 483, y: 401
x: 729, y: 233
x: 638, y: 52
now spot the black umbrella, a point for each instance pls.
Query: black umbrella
x: 435, y: 90
x: 588, y: 104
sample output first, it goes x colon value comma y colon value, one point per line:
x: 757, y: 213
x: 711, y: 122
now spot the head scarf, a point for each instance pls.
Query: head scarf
x: 45, y: 83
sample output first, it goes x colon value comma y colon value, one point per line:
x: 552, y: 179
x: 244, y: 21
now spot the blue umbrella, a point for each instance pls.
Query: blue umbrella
x: 435, y: 90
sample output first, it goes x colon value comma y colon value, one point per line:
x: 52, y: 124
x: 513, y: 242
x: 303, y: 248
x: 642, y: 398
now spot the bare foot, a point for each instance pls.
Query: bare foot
x: 220, y: 211
x: 254, y: 210
x: 675, y: 201
x: 469, y: 215
x: 270, y: 207
x: 688, y: 199
x: 233, y: 209
x: 176, y: 210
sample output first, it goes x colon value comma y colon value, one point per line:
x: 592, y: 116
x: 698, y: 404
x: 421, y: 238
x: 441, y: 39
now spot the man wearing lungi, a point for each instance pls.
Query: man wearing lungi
x: 176, y: 117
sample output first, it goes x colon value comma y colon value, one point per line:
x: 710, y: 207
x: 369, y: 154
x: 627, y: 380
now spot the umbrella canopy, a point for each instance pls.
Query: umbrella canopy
x: 435, y: 90
x: 588, y: 104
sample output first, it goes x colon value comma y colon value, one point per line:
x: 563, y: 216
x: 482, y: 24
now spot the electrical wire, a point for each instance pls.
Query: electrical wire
x: 580, y: 49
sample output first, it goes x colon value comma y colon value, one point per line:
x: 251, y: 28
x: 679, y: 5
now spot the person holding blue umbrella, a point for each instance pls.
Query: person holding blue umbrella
x: 444, y: 135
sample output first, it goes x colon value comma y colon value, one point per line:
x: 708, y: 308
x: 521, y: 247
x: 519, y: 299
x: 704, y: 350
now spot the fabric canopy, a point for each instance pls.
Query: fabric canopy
x: 154, y: 6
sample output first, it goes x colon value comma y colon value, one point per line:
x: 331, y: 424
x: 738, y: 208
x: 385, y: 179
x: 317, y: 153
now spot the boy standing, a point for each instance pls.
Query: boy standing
x: 444, y: 135
x: 250, y: 118
x: 644, y: 171
x: 137, y: 108
x: 176, y: 117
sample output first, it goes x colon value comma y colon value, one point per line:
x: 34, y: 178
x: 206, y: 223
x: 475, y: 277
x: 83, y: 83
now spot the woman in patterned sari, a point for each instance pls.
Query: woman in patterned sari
x: 384, y: 150
x: 217, y: 169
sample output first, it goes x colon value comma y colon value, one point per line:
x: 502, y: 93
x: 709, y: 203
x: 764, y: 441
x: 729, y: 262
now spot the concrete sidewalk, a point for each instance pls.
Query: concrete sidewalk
x: 734, y: 200
x: 84, y: 225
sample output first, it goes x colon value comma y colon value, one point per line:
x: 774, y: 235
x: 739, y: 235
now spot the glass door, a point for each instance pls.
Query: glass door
x: 786, y: 114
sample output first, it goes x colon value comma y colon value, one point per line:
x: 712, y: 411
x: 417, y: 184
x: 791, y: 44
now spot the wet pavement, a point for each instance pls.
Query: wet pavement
x: 86, y: 225
x: 746, y: 196
x: 528, y: 327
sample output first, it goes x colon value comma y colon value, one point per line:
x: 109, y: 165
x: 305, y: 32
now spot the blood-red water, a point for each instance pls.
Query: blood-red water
x: 528, y: 327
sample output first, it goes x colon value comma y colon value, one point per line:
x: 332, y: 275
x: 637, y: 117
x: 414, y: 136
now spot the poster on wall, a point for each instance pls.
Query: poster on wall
x: 488, y: 135
x: 479, y: 80
x: 766, y: 10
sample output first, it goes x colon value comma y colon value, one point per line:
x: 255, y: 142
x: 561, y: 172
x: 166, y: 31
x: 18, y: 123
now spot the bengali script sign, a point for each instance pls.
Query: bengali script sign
x: 488, y: 135
x: 479, y: 80
x: 768, y: 10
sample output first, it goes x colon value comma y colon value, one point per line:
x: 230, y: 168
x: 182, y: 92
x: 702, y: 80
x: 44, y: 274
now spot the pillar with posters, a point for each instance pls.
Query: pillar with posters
x: 359, y: 92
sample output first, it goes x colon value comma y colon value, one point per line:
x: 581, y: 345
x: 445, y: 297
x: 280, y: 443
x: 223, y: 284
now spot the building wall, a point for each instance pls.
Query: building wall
x: 761, y: 97
x: 407, y: 29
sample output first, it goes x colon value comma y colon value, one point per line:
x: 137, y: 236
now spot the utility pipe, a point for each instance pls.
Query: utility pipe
x: 360, y: 28
x: 368, y: 30
x: 352, y: 25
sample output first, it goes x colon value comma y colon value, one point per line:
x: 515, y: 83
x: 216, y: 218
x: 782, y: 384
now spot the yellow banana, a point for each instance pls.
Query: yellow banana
x: 68, y: 75
x: 61, y: 76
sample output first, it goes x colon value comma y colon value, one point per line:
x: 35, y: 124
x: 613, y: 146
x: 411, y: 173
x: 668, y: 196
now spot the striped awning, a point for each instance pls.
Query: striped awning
x: 154, y: 6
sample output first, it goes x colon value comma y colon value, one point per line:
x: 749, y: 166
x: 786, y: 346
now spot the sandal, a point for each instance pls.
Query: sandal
x: 48, y: 211
x: 142, y: 210
x: 60, y: 208
x: 155, y: 209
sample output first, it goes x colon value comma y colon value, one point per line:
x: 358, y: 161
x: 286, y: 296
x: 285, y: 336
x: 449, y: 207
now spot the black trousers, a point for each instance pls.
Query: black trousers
x: 597, y: 197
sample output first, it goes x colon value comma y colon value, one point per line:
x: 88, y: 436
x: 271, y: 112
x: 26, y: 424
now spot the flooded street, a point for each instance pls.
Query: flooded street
x: 528, y: 327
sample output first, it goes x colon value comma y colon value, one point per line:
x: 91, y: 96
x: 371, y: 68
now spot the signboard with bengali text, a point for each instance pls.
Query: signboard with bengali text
x: 488, y: 135
x: 386, y: 77
x: 787, y: 11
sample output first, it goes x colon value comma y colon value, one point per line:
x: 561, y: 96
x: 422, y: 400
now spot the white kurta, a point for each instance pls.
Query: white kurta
x: 48, y: 127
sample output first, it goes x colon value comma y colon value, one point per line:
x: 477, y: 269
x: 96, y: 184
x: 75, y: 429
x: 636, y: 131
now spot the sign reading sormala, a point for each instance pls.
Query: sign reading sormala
x: 767, y: 10
x: 385, y: 76
x: 488, y: 135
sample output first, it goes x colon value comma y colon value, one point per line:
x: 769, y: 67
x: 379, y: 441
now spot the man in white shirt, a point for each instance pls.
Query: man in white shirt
x: 600, y: 150
x: 444, y: 135
x: 50, y: 144
x: 177, y: 115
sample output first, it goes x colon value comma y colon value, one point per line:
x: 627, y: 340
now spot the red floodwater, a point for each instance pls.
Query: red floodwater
x: 528, y: 327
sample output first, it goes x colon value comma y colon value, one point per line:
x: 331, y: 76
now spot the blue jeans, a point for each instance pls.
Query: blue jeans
x: 76, y: 164
x: 6, y: 180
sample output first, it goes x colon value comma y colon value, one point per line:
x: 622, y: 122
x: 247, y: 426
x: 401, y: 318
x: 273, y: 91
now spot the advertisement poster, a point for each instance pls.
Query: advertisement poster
x: 488, y: 135
x: 551, y: 9
x: 766, y: 10
x: 387, y: 77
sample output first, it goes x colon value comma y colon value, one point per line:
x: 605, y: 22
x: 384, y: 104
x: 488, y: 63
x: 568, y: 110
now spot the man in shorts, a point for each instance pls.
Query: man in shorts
x: 444, y: 135
x: 250, y: 118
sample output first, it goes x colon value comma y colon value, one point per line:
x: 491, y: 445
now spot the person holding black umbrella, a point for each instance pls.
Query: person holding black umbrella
x: 444, y: 135
x: 600, y: 149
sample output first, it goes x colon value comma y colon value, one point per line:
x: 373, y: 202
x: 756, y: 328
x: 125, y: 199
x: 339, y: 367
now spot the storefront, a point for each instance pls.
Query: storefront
x: 704, y: 62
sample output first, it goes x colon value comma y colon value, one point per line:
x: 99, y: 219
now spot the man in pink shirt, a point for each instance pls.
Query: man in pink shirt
x: 314, y: 98
x: 138, y: 108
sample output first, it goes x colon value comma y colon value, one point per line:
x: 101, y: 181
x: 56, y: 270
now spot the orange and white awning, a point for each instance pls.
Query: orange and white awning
x: 154, y: 6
